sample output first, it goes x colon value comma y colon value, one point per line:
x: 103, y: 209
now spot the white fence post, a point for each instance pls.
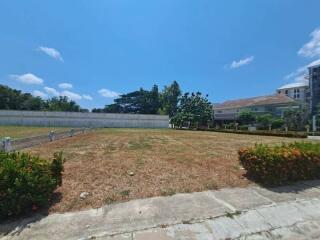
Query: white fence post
x: 7, y: 144
x: 51, y: 136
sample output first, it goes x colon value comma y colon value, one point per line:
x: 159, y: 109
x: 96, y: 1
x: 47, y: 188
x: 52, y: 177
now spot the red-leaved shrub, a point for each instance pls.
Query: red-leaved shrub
x: 282, y: 163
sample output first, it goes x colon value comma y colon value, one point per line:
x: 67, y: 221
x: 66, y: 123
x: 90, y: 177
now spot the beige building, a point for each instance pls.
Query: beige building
x: 298, y: 90
x: 273, y: 104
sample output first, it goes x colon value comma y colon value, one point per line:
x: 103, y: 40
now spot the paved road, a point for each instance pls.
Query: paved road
x: 254, y: 213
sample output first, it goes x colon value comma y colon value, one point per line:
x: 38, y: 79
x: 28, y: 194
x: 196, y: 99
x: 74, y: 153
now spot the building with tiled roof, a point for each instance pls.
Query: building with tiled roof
x: 289, y: 96
x: 274, y: 104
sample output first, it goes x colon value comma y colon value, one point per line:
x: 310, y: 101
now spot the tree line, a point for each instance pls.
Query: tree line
x: 146, y: 101
x: 189, y: 109
x: 193, y: 108
x: 293, y: 119
x: 12, y: 99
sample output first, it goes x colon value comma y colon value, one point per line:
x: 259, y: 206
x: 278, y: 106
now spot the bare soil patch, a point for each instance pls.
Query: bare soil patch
x: 115, y: 165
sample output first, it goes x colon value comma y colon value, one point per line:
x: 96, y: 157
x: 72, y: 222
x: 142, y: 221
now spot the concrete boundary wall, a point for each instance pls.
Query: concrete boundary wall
x: 75, y: 119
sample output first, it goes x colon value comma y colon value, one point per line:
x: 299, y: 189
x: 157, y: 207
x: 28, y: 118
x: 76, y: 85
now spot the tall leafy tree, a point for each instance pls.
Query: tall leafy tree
x: 246, y: 117
x: 193, y: 108
x: 264, y: 120
x: 170, y: 98
x: 296, y: 119
x: 154, y: 100
x: 33, y: 104
x: 62, y: 104
x: 141, y: 101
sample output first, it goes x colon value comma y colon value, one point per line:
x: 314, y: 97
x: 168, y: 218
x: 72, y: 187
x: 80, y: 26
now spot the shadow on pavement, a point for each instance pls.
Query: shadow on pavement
x: 16, y: 225
x: 295, y: 187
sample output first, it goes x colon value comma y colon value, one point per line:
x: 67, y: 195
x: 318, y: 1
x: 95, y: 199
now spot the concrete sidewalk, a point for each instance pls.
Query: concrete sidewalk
x: 291, y: 212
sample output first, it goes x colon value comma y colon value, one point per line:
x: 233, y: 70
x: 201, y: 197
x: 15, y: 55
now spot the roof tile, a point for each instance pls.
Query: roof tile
x: 255, y: 101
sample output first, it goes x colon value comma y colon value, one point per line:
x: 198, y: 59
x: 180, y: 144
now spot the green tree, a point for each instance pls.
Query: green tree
x: 62, y: 104
x: 264, y: 120
x: 296, y: 119
x: 12, y: 99
x: 246, y: 117
x: 193, y: 108
x: 16, y: 100
x: 111, y: 108
x: 141, y: 101
x: 155, y: 100
x: 170, y: 99
x: 277, y: 123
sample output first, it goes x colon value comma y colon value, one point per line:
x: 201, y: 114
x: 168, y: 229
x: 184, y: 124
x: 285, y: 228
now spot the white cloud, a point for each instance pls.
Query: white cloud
x: 87, y: 97
x: 51, y: 91
x: 71, y: 95
x: 298, y: 72
x: 38, y: 93
x: 54, y: 53
x: 108, y: 93
x: 314, y: 63
x: 300, y: 78
x: 311, y: 48
x: 301, y: 72
x: 27, y: 78
x: 65, y: 85
x: 242, y: 62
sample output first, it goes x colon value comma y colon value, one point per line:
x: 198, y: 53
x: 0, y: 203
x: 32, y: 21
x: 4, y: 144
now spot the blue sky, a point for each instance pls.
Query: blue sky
x: 97, y: 49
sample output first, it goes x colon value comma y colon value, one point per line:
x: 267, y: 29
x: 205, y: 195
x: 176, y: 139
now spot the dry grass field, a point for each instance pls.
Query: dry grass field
x: 21, y: 132
x: 116, y: 165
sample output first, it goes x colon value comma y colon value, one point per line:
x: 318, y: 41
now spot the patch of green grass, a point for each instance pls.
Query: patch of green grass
x: 212, y: 185
x: 111, y: 148
x: 141, y: 143
x: 109, y: 200
x: 125, y: 193
x: 233, y: 214
x: 186, y: 190
x: 168, y: 192
x: 72, y: 204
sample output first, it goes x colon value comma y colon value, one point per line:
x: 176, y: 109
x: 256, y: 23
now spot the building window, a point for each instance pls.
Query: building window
x: 296, y: 93
x: 286, y: 92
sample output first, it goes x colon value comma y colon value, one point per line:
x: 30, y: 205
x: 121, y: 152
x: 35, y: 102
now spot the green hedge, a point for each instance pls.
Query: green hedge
x: 274, y: 133
x: 282, y: 163
x: 27, y: 182
x: 265, y: 133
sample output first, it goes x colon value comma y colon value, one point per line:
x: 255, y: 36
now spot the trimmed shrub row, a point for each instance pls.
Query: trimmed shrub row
x: 273, y: 165
x: 290, y: 134
x: 27, y: 182
x: 273, y: 133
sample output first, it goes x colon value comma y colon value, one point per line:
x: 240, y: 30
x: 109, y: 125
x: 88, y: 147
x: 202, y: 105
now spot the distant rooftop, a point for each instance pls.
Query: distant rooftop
x: 314, y: 66
x: 295, y: 85
x: 255, y: 101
